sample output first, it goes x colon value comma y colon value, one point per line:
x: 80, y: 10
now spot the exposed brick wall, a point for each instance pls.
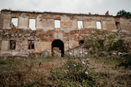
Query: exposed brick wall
x: 46, y: 32
x: 0, y: 20
x: 0, y: 31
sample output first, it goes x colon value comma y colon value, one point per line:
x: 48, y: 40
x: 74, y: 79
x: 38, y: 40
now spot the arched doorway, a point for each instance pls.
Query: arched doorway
x: 59, y: 45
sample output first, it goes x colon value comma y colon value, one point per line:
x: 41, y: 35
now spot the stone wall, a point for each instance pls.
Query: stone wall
x: 45, y: 20
x: 78, y: 51
x: 68, y: 35
x: 125, y: 23
x: 0, y: 21
x: 0, y: 31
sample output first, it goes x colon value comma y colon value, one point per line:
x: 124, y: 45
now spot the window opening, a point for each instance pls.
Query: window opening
x: 14, y: 21
x: 80, y: 24
x: 118, y: 25
x: 81, y: 42
x: 32, y: 24
x: 12, y: 44
x: 57, y: 23
x: 98, y: 25
x: 31, y: 44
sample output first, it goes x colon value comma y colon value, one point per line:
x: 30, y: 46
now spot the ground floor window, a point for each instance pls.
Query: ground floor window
x: 12, y: 44
x: 31, y: 44
x: 81, y: 42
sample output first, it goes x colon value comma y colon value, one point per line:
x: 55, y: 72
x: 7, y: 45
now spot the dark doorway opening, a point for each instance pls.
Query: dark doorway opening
x: 81, y: 42
x: 58, y: 44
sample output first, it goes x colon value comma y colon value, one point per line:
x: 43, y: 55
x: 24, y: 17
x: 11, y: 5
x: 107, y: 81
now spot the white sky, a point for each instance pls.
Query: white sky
x: 70, y: 6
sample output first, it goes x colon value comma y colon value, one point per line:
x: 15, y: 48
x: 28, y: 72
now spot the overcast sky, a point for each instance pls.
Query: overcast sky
x: 70, y: 6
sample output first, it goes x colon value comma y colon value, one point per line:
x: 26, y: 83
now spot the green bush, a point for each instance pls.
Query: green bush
x: 127, y: 62
x: 100, y: 41
x: 118, y: 45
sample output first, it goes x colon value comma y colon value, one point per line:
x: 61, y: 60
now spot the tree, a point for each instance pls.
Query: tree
x: 123, y: 13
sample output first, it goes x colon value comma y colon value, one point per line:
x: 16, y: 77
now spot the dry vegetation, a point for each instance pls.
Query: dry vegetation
x: 51, y: 72
x: 110, y: 73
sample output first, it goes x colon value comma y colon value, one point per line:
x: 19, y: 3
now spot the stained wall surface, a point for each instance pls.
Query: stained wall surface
x: 46, y: 33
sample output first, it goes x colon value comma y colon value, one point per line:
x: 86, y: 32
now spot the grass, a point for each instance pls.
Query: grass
x: 50, y: 72
x: 6, y: 65
x: 110, y: 73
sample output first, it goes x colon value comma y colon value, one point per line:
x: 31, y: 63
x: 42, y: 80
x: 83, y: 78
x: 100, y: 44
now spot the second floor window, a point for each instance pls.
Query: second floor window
x: 80, y: 24
x: 14, y: 21
x: 57, y: 23
x: 32, y: 24
x: 98, y: 25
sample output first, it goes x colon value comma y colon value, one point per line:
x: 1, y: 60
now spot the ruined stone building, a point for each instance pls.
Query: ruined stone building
x: 22, y: 32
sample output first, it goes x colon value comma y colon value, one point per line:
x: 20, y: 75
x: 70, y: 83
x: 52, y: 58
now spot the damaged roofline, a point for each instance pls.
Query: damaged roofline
x: 55, y: 13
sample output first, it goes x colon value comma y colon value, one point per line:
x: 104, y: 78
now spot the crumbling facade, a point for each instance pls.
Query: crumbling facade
x: 60, y: 31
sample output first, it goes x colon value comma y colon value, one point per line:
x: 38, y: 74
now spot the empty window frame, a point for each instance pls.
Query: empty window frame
x: 14, y: 21
x: 80, y: 24
x: 31, y: 44
x: 32, y: 24
x: 57, y: 23
x: 118, y: 25
x: 98, y: 25
x: 12, y: 44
